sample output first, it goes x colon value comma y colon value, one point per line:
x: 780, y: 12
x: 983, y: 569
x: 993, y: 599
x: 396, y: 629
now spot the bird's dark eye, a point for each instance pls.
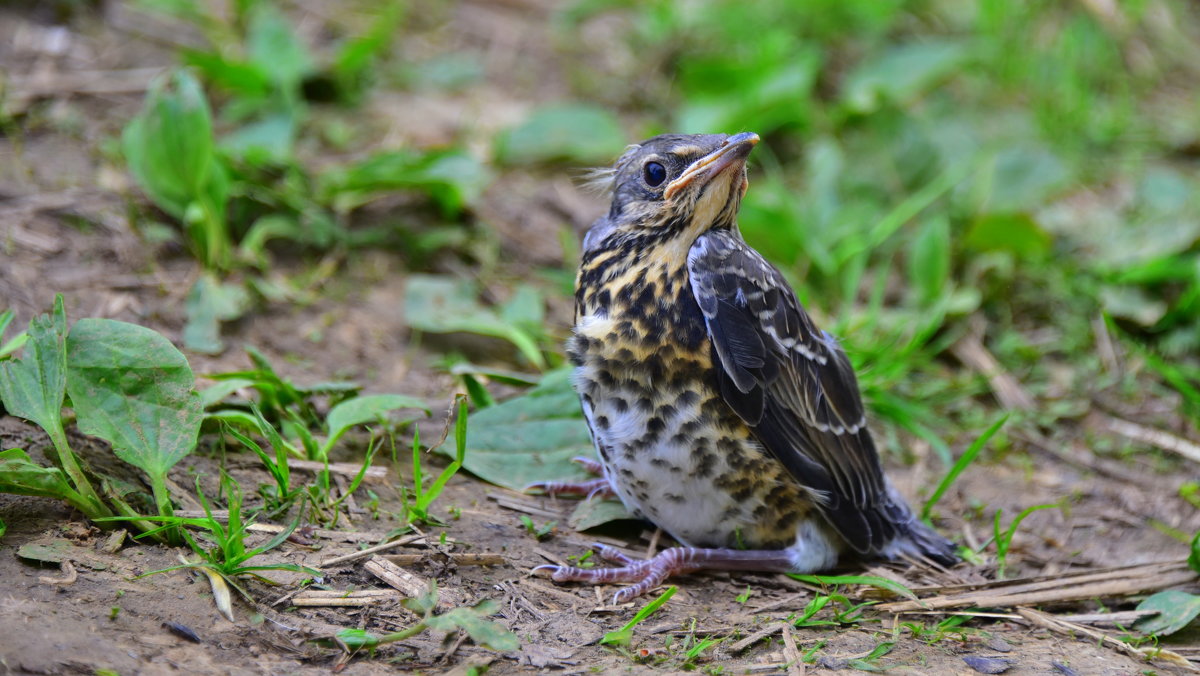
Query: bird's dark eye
x: 655, y: 174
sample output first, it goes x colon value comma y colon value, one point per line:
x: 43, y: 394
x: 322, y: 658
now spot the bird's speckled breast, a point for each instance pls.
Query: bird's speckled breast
x: 673, y: 450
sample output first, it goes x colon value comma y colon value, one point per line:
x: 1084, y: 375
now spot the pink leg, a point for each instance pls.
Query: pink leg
x: 593, y: 488
x: 676, y: 560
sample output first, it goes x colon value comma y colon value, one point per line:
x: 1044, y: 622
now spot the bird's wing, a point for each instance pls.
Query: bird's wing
x: 793, y: 385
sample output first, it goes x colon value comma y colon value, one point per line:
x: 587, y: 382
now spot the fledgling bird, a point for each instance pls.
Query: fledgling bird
x: 719, y: 411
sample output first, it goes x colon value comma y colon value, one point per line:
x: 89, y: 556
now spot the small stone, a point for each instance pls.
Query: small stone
x: 999, y: 645
x: 989, y: 665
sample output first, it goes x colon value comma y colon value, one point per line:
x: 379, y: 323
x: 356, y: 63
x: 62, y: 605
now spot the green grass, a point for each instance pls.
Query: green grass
x: 227, y: 559
x: 929, y: 169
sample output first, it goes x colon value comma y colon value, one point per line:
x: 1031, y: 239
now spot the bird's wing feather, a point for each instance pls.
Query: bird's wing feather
x: 793, y: 385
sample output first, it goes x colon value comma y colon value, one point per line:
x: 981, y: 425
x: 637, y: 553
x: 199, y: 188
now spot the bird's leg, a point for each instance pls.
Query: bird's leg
x: 674, y: 561
x: 592, y: 488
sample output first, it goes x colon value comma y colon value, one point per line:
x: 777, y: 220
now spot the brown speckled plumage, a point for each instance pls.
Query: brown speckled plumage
x: 718, y: 410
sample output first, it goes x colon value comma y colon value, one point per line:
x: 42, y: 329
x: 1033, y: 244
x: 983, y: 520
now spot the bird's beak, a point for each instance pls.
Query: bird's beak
x: 733, y: 154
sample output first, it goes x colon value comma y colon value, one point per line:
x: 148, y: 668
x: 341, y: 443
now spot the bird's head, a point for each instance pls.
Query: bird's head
x: 674, y: 187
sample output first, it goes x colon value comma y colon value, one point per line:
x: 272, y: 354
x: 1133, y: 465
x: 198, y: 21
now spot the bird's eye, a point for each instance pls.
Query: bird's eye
x: 655, y: 174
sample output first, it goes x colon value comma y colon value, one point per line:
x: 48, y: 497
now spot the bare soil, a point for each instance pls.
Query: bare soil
x: 65, y: 227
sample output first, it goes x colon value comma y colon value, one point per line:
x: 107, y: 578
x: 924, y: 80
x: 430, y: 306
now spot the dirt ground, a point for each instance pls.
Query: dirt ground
x: 64, y: 227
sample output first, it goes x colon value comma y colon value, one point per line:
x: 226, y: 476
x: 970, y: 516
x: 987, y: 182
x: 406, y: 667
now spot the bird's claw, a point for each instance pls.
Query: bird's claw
x: 645, y: 575
x: 598, y: 487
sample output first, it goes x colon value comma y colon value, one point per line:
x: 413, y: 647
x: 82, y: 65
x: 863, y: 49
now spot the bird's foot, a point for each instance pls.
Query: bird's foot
x: 647, y: 575
x: 593, y: 488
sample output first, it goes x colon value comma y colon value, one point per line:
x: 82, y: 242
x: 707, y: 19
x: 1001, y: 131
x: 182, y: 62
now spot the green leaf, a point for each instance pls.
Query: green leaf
x: 1176, y: 610
x: 871, y: 580
x: 453, y: 71
x: 1023, y: 179
x: 623, y: 635
x: 33, y: 386
x: 454, y: 179
x: 207, y: 305
x: 216, y: 393
x: 929, y: 260
x: 19, y: 475
x: 253, y: 246
x: 774, y: 88
x: 572, y: 132
x: 357, y: 638
x: 365, y: 409
x: 902, y: 73
x: 525, y: 310
x: 247, y: 80
x: 352, y: 64
x: 169, y: 145
x: 1016, y: 233
x: 263, y: 142
x: 131, y: 387
x: 474, y: 621
x: 13, y: 344
x: 595, y: 512
x: 530, y: 438
x: 273, y: 46
x: 1133, y: 303
x: 447, y: 305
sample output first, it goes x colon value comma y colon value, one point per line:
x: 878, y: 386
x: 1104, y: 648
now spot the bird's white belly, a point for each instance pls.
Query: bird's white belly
x: 661, y: 477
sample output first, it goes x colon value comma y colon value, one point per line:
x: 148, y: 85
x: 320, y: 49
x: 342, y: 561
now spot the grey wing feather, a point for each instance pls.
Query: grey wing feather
x: 794, y: 386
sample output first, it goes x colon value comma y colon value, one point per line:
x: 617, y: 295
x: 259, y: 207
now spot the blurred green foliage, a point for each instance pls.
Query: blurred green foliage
x: 927, y: 160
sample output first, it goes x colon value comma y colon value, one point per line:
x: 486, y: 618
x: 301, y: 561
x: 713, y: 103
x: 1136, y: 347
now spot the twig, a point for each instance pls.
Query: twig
x: 1086, y: 460
x: 363, y: 553
x: 791, y: 653
x: 463, y: 559
x: 1105, y: 347
x: 652, y: 548
x: 329, y: 598
x: 1060, y: 626
x: 756, y: 637
x: 970, y: 351
x: 1121, y: 581
x: 1153, y: 437
x: 526, y: 505
x: 794, y: 598
x: 343, y: 468
x: 407, y: 582
x: 1121, y: 617
x: 130, y: 81
x: 70, y: 575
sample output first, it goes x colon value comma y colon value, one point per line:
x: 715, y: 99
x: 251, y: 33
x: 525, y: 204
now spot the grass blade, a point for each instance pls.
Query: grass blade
x: 965, y: 459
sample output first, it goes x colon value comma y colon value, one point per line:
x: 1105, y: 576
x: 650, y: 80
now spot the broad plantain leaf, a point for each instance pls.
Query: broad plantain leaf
x: 207, y: 305
x: 530, y: 438
x: 474, y: 621
x: 169, y: 145
x: 596, y: 512
x: 901, y: 73
x: 452, y: 178
x: 131, y: 387
x: 1176, y: 609
x: 365, y: 409
x: 574, y: 132
x: 20, y: 476
x: 445, y: 305
x: 533, y: 438
x: 32, y: 387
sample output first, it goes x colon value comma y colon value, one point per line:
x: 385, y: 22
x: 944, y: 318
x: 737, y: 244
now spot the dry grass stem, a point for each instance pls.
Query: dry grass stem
x: 1058, y: 588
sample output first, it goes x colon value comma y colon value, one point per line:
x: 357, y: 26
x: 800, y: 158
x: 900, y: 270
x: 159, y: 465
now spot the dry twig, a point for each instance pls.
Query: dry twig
x: 1060, y: 626
x: 322, y: 598
x: 1058, y: 588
